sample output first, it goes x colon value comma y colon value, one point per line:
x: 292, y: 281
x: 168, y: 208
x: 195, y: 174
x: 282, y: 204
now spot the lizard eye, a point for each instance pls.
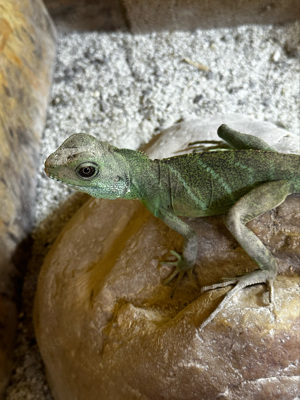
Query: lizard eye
x: 87, y: 170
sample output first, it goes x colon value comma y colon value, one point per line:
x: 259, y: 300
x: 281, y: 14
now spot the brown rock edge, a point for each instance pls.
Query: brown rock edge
x: 107, y: 328
x: 90, y: 15
x: 27, y: 51
x: 155, y: 15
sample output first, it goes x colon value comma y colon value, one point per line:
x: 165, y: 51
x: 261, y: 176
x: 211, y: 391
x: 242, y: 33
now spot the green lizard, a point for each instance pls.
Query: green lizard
x: 241, y: 183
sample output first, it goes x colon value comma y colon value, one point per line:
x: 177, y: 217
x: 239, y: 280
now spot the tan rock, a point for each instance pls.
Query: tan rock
x: 107, y: 328
x: 27, y: 53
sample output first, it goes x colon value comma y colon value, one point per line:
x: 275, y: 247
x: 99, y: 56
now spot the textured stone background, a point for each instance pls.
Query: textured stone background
x: 27, y: 51
x: 123, y: 89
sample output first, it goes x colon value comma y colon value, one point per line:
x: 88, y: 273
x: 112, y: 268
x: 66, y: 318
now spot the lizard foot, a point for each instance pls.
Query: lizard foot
x: 240, y: 282
x: 201, y: 146
x: 180, y: 270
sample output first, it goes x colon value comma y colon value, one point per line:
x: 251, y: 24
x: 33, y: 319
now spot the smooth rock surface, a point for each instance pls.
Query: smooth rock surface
x: 107, y: 328
x: 27, y: 50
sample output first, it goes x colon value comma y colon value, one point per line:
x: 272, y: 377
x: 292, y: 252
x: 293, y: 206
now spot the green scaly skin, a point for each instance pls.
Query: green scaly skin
x: 241, y: 183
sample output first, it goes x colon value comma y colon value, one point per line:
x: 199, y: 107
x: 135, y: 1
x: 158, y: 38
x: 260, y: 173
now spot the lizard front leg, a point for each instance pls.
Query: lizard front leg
x: 261, y: 199
x: 185, y: 261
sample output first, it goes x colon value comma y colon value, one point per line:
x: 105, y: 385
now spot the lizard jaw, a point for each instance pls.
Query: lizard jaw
x: 53, y: 177
x: 58, y: 180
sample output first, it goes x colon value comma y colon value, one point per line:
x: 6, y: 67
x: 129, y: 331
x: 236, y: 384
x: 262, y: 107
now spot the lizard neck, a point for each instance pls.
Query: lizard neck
x: 142, y: 173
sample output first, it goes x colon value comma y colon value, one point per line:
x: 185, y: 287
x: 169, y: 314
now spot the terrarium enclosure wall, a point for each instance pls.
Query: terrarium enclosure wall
x: 87, y: 271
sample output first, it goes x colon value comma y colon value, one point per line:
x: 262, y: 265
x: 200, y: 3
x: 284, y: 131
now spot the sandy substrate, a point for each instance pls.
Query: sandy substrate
x: 123, y: 89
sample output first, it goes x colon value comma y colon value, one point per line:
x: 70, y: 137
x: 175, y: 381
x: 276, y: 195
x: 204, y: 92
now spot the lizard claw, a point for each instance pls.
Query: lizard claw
x: 177, y: 270
x: 180, y: 270
x: 227, y: 282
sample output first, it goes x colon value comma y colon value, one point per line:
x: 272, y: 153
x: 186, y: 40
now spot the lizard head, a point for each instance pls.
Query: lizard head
x: 90, y: 165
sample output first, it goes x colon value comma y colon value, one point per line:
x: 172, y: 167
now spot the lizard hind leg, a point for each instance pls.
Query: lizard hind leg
x: 256, y: 202
x: 240, y: 283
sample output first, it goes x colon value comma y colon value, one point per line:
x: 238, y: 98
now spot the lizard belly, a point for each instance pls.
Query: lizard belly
x: 186, y: 210
x: 199, y: 204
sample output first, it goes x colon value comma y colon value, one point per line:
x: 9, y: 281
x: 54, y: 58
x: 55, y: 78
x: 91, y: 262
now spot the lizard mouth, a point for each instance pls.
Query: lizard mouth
x: 58, y: 180
x: 53, y: 177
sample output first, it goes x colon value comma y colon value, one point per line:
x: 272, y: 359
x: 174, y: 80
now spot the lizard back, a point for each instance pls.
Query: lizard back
x: 210, y: 183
